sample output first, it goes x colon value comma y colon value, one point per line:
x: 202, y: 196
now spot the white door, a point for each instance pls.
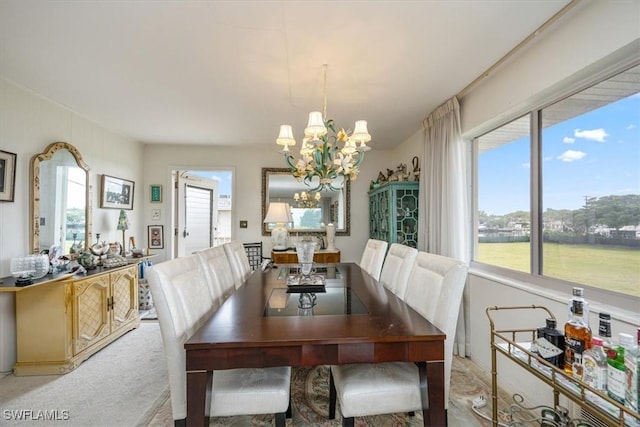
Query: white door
x: 197, y: 213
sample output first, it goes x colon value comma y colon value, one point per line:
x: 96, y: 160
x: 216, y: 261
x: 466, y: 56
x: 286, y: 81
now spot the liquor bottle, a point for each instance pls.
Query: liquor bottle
x: 604, y: 331
x: 632, y: 366
x: 578, y: 294
x: 577, y: 338
x: 594, y: 362
x: 551, y: 345
x: 616, y: 376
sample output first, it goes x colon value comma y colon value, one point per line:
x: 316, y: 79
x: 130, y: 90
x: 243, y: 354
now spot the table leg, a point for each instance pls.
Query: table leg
x: 432, y: 393
x: 199, y: 397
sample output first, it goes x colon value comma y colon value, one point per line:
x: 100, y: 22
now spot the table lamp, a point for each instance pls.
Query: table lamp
x: 123, y: 224
x: 279, y: 213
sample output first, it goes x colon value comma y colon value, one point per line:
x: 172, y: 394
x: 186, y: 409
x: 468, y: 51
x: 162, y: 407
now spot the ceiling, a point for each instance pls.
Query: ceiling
x: 230, y: 72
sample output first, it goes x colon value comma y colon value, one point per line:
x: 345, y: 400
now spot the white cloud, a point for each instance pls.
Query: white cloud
x: 546, y: 159
x: 568, y: 140
x: 526, y: 165
x: 594, y: 134
x: 571, y: 156
x: 631, y: 127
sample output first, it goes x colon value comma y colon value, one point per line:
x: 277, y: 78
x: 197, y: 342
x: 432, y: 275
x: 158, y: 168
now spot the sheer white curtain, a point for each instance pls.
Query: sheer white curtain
x: 444, y: 196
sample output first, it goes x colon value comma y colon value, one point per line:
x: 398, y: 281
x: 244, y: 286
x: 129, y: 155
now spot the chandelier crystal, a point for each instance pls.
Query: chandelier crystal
x: 304, y: 200
x: 325, y: 155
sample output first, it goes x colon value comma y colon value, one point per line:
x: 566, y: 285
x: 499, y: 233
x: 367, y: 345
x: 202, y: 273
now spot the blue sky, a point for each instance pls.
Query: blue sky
x: 224, y: 177
x: 595, y: 154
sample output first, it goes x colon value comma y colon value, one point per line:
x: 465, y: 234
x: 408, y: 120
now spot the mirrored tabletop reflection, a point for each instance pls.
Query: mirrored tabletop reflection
x: 333, y: 301
x: 331, y: 273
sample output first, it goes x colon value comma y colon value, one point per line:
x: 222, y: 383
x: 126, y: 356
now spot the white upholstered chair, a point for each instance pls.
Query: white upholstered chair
x: 373, y: 257
x: 239, y: 262
x: 397, y: 267
x: 183, y: 301
x: 218, y: 272
x: 435, y: 291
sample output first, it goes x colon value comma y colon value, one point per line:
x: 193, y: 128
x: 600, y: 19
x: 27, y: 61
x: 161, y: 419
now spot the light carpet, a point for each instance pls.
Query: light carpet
x: 122, y: 385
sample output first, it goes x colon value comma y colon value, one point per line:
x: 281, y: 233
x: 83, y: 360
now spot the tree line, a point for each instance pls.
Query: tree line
x: 613, y: 212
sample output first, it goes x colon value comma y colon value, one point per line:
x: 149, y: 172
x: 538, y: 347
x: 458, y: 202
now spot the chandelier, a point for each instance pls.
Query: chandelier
x: 320, y: 153
x: 303, y: 200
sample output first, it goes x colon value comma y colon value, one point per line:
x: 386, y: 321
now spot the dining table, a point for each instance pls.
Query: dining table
x: 341, y: 315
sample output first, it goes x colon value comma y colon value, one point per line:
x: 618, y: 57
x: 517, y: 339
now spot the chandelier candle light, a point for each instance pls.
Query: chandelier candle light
x: 304, y: 201
x: 320, y: 155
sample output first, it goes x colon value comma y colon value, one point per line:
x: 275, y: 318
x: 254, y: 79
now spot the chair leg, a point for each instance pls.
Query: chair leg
x: 281, y: 419
x: 288, y: 413
x: 332, y: 397
x: 348, y: 422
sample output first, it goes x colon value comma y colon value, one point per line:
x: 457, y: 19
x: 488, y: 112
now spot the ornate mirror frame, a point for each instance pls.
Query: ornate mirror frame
x: 266, y: 172
x: 34, y: 205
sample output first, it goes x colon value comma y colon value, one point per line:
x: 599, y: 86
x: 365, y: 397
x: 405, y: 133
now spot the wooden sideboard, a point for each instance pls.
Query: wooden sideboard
x: 60, y: 323
x: 321, y: 257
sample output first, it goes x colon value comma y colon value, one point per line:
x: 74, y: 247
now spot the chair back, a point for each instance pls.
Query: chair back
x: 254, y: 254
x: 239, y: 262
x: 397, y: 267
x: 373, y: 257
x: 183, y: 301
x: 218, y: 272
x: 434, y: 290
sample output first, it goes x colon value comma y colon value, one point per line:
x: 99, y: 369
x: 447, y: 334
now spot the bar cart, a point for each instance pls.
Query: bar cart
x: 514, y: 344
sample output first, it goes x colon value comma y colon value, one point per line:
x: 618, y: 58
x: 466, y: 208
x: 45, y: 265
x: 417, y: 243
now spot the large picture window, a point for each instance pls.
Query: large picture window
x: 580, y: 221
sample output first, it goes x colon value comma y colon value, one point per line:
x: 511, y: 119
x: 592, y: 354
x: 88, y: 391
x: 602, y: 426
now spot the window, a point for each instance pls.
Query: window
x: 583, y: 160
x: 504, y: 211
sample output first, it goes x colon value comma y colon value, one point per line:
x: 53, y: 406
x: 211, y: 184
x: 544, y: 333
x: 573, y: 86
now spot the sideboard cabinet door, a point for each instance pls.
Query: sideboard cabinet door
x: 90, y: 316
x: 62, y: 323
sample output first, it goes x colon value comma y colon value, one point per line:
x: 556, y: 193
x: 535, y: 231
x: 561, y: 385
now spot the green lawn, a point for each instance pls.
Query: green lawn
x: 613, y: 268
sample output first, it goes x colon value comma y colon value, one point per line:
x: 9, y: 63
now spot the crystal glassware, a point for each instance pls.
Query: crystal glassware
x: 305, y: 252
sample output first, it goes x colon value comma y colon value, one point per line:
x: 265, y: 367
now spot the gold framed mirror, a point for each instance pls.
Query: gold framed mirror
x: 278, y: 185
x: 60, y: 205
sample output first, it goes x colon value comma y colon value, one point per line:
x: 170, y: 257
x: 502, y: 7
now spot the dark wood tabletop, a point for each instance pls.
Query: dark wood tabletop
x: 241, y: 334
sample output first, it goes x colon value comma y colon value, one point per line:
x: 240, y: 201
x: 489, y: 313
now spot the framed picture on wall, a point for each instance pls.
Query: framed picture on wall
x: 116, y: 193
x: 155, y: 236
x: 155, y: 192
x: 7, y: 176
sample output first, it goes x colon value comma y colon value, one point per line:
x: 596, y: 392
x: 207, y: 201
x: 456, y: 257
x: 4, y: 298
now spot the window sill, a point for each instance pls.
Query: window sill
x: 621, y: 307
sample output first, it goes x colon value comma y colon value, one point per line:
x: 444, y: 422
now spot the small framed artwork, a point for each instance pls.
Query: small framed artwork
x: 116, y: 193
x: 155, y: 193
x: 156, y: 236
x: 7, y: 176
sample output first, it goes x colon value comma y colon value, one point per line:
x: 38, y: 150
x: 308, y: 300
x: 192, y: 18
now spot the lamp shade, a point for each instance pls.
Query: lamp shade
x: 286, y: 136
x: 315, y: 127
x: 123, y: 222
x: 360, y: 133
x: 279, y: 213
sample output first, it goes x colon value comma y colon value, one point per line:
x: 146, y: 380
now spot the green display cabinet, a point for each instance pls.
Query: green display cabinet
x: 393, y: 213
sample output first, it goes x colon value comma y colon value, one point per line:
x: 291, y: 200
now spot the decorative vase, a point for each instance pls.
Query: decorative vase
x: 330, y: 229
x: 305, y: 251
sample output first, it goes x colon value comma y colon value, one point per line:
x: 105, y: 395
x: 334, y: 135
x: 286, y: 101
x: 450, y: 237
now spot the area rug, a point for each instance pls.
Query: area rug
x: 122, y: 385
x: 310, y: 403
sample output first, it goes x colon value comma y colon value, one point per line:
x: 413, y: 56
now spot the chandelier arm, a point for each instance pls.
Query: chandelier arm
x: 359, y: 159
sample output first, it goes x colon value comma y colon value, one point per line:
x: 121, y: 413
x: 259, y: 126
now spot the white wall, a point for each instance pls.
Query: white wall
x: 28, y: 124
x: 160, y: 160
